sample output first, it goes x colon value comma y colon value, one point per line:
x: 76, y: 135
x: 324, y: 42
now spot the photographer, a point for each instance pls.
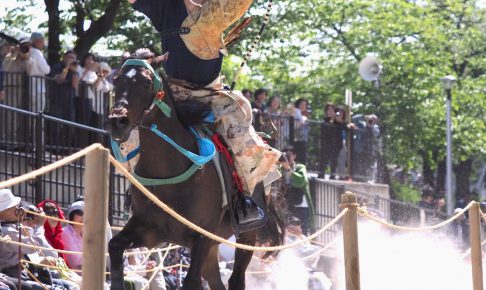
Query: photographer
x: 61, y: 99
x: 62, y: 94
x: 297, y: 193
x: 17, y: 64
x: 32, y: 233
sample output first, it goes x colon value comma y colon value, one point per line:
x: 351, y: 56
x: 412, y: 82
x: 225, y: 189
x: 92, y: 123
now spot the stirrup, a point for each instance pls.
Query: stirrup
x: 247, y: 211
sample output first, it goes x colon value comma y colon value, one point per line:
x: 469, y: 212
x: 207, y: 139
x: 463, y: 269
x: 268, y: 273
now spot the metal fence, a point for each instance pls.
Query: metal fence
x: 314, y: 140
x: 84, y: 104
x: 315, y: 143
x: 327, y: 198
x: 31, y: 140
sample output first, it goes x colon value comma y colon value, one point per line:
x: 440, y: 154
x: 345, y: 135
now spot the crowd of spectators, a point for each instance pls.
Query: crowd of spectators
x: 38, y: 268
x: 272, y: 118
x: 70, y: 89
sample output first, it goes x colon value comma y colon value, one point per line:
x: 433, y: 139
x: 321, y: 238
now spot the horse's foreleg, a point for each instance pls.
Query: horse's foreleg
x: 125, y: 239
x: 199, y: 252
x: 242, y: 259
x: 210, y: 269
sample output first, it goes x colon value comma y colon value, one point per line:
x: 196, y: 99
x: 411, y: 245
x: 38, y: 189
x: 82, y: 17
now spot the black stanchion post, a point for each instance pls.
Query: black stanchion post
x: 291, y: 130
x: 39, y: 154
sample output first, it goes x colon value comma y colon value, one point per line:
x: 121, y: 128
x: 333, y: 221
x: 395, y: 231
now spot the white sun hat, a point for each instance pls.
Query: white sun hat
x: 7, y: 199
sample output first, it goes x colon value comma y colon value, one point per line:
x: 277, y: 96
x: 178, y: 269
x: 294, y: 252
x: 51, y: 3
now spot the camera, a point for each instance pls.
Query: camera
x: 75, y: 63
x: 28, y: 216
x: 24, y: 48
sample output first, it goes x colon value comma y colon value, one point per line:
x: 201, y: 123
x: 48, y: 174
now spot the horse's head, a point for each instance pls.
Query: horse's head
x: 136, y: 86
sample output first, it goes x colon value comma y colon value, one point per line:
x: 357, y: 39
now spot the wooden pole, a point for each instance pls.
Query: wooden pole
x: 95, y: 219
x: 350, y: 237
x: 475, y: 240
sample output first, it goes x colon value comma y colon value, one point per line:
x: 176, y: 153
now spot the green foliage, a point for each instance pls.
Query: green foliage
x: 405, y: 192
x: 312, y: 49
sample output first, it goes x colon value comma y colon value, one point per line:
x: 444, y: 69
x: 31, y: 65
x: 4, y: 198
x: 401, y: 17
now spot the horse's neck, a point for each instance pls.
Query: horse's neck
x: 159, y: 159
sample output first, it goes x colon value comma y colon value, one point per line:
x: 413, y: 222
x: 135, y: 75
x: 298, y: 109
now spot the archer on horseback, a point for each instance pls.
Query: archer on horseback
x: 191, y: 33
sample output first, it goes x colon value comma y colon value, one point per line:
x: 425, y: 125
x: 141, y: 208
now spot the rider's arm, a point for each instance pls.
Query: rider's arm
x: 153, y: 9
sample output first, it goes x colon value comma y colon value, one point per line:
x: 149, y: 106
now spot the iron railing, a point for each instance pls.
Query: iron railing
x: 312, y: 141
x: 84, y: 104
x: 31, y: 140
x: 327, y: 198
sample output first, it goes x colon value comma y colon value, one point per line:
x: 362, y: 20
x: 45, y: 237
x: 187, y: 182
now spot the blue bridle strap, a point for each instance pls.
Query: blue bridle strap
x: 119, y: 155
x: 206, y: 147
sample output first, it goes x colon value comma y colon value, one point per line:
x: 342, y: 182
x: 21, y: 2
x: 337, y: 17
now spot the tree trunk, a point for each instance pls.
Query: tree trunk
x: 441, y: 176
x: 97, y: 29
x: 54, y: 30
x: 462, y: 170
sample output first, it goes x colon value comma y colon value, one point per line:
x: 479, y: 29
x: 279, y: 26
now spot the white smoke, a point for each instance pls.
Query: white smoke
x: 405, y: 261
x: 288, y: 272
x: 389, y: 259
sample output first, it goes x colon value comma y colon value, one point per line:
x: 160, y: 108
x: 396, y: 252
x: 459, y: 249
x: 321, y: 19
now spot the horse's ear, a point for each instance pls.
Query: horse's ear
x: 159, y: 60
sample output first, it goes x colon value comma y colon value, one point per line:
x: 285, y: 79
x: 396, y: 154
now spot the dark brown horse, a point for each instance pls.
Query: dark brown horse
x: 199, y: 198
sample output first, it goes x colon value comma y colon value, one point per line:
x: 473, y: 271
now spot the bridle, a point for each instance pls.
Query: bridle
x: 206, y: 147
x: 158, y: 91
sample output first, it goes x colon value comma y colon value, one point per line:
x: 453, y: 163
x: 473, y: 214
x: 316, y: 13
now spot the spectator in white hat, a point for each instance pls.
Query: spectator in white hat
x: 32, y: 234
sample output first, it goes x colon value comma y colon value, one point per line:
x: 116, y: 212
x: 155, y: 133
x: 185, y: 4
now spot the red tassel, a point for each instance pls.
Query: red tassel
x: 160, y: 95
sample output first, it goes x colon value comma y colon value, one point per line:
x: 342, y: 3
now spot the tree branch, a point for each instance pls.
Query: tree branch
x: 98, y: 28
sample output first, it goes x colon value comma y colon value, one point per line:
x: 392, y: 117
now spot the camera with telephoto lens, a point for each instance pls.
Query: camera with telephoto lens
x: 24, y: 48
x: 26, y: 208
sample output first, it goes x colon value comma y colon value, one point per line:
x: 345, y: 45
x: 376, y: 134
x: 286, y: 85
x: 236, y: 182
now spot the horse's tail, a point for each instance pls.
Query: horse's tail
x: 274, y: 229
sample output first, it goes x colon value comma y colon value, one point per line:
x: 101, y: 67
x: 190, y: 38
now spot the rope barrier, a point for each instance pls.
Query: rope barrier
x: 50, y: 167
x: 65, y: 221
x: 206, y: 233
x: 154, y: 199
x: 34, y: 277
x: 364, y: 213
x: 483, y: 215
x: 7, y: 240
x: 106, y: 273
x: 320, y: 251
x: 156, y: 272
x: 468, y: 252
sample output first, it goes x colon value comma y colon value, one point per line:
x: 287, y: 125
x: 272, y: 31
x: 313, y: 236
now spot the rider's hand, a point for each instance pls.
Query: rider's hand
x: 131, y: 1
